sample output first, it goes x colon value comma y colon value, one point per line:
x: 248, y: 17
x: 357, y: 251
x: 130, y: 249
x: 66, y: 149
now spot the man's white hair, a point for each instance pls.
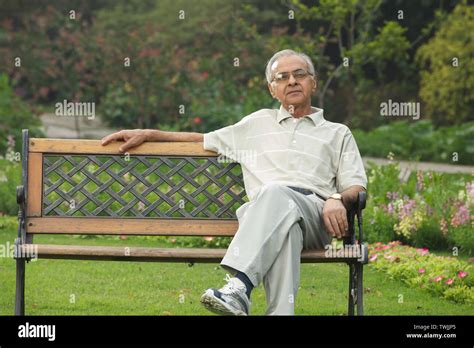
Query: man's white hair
x: 285, y: 53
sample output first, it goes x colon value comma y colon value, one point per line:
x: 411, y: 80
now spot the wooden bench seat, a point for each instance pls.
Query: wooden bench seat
x: 79, y: 187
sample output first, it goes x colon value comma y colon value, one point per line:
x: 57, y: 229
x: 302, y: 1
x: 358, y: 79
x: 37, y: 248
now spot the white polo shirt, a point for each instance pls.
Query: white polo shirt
x: 273, y: 146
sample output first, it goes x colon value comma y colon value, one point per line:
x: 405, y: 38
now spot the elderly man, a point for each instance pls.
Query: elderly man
x: 305, y: 172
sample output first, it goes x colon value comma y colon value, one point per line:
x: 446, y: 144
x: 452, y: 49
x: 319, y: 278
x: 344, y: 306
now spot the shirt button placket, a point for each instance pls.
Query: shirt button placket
x: 293, y: 136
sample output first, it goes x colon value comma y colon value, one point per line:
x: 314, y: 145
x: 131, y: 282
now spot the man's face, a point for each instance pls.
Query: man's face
x: 293, y: 91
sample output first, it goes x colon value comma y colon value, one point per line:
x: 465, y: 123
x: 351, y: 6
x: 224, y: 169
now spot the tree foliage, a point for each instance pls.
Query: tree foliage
x: 199, y: 65
x: 447, y: 62
x: 15, y: 115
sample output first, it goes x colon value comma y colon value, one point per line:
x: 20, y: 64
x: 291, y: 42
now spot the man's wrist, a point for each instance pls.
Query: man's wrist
x: 337, y: 197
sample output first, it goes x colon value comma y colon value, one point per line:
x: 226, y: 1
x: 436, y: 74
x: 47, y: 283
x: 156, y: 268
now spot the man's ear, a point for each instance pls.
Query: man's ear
x: 270, y: 88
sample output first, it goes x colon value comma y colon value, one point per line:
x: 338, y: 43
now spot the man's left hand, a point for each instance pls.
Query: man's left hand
x: 335, y: 218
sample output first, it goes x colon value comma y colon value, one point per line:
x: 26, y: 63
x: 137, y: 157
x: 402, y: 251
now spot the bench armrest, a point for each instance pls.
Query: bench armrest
x: 360, y: 202
x: 356, y: 211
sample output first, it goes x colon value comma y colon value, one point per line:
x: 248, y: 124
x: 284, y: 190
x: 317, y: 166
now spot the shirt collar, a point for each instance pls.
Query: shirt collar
x: 317, y: 115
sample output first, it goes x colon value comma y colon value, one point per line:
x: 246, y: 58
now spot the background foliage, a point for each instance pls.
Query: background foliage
x: 191, y: 62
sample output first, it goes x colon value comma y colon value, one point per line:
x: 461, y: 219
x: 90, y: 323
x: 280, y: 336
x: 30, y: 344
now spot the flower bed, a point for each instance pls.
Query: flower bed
x: 446, y: 276
x: 431, y: 209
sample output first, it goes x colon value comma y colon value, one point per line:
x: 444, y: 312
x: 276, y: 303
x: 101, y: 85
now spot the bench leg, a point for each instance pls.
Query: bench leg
x: 20, y: 287
x: 360, y: 288
x: 352, y: 289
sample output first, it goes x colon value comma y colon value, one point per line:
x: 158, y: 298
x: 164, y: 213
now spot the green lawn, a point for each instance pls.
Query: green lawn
x: 56, y: 287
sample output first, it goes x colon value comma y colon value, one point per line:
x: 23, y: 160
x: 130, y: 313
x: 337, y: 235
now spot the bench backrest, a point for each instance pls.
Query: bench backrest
x: 161, y: 188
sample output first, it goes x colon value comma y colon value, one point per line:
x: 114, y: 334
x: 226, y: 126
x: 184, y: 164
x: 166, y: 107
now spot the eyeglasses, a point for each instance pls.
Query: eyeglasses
x: 298, y: 74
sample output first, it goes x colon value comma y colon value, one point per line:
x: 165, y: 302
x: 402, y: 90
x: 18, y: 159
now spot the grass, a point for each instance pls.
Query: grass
x: 65, y: 287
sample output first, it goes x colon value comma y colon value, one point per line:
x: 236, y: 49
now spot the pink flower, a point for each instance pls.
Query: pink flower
x: 423, y: 251
x: 449, y: 281
x: 461, y: 216
x: 385, y: 247
x: 407, y: 208
x: 208, y: 239
x: 373, y: 258
x: 438, y: 279
x: 421, y: 270
x: 197, y: 120
x: 462, y: 274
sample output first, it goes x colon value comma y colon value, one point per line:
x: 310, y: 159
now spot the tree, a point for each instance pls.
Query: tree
x: 15, y: 115
x: 447, y: 78
x: 353, y: 49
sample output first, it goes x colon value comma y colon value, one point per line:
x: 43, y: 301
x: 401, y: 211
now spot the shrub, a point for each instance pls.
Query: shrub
x: 8, y: 223
x: 430, y: 236
x: 10, y: 177
x: 118, y: 108
x: 419, y: 141
x: 15, y: 115
x: 447, y: 276
x: 378, y: 225
x: 429, y: 210
x: 462, y: 237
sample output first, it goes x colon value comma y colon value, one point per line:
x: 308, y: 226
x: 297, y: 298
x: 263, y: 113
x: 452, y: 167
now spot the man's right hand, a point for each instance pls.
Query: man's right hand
x: 132, y: 138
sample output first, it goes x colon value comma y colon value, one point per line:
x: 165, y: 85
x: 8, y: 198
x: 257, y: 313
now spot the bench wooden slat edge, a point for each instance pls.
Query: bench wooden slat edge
x: 131, y: 226
x: 35, y: 184
x: 107, y: 253
x: 82, y: 146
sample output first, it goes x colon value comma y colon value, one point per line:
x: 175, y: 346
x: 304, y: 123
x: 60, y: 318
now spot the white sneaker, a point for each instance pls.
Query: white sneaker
x: 231, y: 299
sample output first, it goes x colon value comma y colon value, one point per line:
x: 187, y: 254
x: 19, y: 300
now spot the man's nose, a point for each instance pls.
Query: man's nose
x: 291, y: 80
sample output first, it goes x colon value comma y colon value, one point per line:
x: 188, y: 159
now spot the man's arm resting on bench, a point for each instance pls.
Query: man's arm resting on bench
x: 136, y: 137
x: 349, y: 196
x: 159, y: 135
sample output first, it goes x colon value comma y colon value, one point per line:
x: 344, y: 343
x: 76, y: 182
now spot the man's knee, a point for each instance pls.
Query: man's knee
x: 274, y: 191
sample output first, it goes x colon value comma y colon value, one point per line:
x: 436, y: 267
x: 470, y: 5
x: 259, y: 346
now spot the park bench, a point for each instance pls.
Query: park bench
x: 79, y: 187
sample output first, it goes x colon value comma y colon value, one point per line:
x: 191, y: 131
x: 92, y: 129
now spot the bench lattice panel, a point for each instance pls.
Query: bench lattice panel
x: 141, y: 186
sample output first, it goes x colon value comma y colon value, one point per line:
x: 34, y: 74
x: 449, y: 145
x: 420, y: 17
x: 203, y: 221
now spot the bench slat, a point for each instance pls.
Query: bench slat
x: 83, y: 146
x: 132, y: 226
x: 35, y: 184
x: 201, y: 255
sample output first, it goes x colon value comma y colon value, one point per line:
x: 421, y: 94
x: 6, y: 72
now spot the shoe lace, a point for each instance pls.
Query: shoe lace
x: 231, y: 287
